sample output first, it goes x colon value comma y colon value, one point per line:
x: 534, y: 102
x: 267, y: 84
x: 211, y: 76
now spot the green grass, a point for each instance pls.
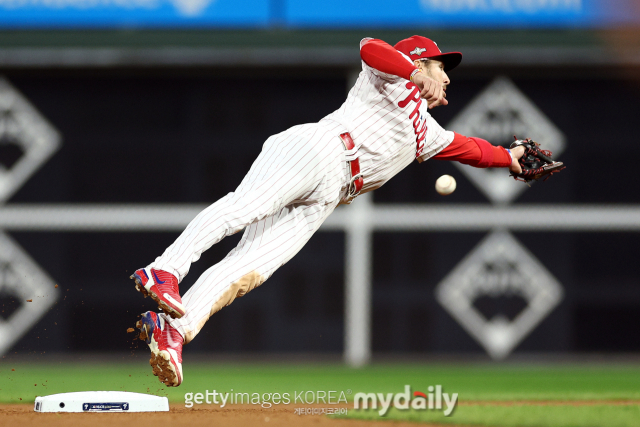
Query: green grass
x: 472, y: 382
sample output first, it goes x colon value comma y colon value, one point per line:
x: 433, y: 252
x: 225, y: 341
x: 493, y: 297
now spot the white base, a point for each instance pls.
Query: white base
x: 101, y: 401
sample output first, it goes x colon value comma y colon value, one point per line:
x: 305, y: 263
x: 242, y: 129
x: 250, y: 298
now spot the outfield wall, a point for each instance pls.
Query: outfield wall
x: 205, y: 125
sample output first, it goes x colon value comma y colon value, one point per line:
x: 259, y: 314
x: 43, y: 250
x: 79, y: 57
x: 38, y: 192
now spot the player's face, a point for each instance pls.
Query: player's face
x: 435, y: 70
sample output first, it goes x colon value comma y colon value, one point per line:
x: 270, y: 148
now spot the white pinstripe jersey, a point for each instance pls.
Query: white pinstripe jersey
x: 390, y: 124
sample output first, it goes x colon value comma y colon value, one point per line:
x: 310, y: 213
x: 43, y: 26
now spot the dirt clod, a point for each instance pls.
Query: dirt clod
x: 56, y: 286
x: 129, y: 330
x: 29, y: 300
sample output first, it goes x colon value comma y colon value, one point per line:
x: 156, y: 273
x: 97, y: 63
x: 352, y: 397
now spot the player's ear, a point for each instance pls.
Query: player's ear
x: 416, y: 63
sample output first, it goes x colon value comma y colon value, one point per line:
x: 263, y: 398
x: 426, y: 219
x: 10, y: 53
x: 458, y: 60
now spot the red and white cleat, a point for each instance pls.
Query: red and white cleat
x: 162, y: 287
x: 165, y: 343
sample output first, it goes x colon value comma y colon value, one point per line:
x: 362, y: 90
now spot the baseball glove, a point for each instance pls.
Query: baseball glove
x: 535, y: 162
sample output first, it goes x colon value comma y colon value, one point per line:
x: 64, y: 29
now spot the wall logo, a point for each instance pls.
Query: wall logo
x: 21, y: 279
x: 502, y: 6
x: 499, y: 267
x: 27, y: 140
x: 191, y: 7
x: 188, y: 8
x: 497, y: 114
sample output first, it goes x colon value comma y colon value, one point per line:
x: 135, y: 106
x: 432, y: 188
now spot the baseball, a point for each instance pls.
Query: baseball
x: 445, y: 185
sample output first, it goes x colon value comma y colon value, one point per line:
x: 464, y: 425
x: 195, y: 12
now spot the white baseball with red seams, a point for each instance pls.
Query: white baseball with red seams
x: 296, y: 182
x: 445, y: 185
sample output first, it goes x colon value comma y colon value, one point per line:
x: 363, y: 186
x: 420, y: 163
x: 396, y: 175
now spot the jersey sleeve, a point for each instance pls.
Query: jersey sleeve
x: 384, y: 61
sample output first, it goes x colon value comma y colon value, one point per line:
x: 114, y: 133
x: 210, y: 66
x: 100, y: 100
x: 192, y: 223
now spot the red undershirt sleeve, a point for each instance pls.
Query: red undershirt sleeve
x: 381, y: 56
x: 475, y: 152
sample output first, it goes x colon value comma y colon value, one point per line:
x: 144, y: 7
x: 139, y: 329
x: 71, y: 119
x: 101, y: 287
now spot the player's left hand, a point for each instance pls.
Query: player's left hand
x: 516, y: 154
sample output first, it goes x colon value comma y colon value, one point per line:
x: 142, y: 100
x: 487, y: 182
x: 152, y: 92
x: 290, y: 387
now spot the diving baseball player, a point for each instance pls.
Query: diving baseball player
x: 299, y: 178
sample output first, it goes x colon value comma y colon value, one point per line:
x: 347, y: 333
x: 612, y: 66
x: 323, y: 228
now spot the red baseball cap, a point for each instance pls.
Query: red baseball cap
x: 418, y: 47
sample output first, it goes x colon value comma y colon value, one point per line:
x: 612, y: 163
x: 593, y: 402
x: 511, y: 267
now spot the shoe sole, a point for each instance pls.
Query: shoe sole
x: 160, y: 360
x: 166, y: 308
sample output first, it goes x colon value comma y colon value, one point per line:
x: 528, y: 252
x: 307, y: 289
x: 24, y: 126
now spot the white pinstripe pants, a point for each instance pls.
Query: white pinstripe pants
x: 295, y: 183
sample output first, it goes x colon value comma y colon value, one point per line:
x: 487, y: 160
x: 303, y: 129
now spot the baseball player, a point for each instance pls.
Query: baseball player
x: 299, y: 178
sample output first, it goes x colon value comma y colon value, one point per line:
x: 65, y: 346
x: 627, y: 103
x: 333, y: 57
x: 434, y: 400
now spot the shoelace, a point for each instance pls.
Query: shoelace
x: 531, y: 172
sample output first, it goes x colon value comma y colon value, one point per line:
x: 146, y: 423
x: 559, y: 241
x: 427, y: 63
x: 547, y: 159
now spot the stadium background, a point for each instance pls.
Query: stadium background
x: 172, y: 108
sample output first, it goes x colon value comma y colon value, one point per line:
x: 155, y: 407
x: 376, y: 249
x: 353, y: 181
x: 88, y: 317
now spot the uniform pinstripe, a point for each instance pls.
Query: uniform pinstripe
x: 298, y: 179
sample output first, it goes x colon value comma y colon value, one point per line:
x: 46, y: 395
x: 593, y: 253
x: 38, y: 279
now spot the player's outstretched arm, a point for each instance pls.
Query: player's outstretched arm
x: 479, y: 153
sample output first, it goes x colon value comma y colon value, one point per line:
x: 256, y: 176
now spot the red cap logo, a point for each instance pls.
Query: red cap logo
x: 418, y: 47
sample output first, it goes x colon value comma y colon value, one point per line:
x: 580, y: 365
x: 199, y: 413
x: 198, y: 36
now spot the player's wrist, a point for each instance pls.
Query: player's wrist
x: 515, y: 164
x: 416, y: 71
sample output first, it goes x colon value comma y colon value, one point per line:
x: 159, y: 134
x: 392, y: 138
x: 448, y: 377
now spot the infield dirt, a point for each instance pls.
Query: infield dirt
x: 230, y: 416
